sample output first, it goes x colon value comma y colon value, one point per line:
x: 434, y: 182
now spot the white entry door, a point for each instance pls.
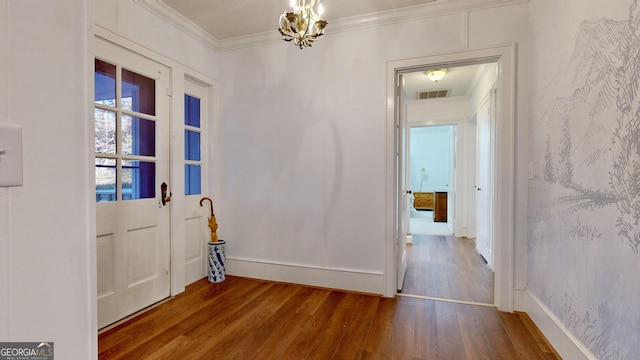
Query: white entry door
x: 132, y: 169
x: 483, y: 185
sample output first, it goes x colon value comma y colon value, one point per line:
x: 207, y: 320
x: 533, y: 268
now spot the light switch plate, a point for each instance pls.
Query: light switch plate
x: 10, y: 155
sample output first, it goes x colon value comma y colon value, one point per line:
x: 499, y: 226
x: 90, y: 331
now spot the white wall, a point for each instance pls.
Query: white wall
x: 584, y: 236
x: 47, y: 235
x: 430, y: 149
x: 304, y: 141
x: 437, y: 111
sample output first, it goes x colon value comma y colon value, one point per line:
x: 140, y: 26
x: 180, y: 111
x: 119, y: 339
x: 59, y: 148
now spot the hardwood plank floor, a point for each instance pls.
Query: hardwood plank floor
x: 447, y: 267
x: 252, y: 319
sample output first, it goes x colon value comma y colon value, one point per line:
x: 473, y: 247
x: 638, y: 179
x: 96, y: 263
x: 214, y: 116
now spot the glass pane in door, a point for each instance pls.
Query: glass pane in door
x: 138, y: 93
x: 192, y: 179
x: 105, y: 131
x: 105, y: 83
x: 138, y: 179
x: 191, y: 145
x: 138, y: 136
x: 191, y: 111
x: 106, y: 173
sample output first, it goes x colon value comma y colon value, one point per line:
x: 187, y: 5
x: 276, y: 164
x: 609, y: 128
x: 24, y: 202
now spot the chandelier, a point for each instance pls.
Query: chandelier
x: 303, y: 25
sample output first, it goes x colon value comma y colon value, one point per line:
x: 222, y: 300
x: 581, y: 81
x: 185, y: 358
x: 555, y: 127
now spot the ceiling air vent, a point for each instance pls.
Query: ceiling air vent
x: 433, y: 94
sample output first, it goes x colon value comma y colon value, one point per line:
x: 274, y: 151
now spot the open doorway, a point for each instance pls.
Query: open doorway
x: 444, y: 262
x: 432, y: 179
x: 500, y: 170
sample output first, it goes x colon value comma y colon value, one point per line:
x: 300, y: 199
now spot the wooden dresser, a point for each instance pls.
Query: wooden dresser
x: 440, y: 205
x: 423, y: 200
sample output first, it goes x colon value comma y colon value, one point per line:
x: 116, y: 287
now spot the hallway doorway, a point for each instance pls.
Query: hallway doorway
x: 501, y: 152
x: 443, y: 261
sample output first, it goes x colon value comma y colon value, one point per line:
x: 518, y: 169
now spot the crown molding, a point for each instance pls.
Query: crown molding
x: 416, y: 12
x: 174, y: 18
x: 411, y: 13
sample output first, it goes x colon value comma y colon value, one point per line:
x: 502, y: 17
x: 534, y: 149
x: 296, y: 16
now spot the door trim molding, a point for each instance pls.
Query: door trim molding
x: 503, y: 174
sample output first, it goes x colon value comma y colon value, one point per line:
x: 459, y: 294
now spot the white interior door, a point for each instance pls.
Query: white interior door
x: 403, y: 187
x: 483, y: 171
x: 451, y: 183
x: 195, y: 128
x: 132, y: 162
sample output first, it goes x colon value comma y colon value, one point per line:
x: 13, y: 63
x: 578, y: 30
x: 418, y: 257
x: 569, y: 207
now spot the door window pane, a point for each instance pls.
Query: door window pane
x: 192, y: 170
x: 191, y: 145
x: 105, y: 131
x: 105, y: 83
x: 192, y: 179
x: 105, y: 180
x: 138, y: 179
x: 138, y: 136
x: 138, y: 93
x: 191, y: 111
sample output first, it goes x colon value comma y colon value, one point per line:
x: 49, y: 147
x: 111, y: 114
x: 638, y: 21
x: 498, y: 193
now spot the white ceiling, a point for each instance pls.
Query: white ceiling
x: 457, y: 81
x: 227, y: 19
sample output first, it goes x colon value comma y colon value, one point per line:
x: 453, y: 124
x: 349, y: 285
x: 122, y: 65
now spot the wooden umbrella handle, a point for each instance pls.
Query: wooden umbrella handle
x: 210, y: 204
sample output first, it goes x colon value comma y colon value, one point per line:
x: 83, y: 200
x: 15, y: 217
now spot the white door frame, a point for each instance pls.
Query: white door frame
x: 402, y: 191
x: 503, y: 174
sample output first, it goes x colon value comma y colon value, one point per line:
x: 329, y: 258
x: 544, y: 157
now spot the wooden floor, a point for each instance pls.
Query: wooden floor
x: 447, y: 267
x: 250, y: 319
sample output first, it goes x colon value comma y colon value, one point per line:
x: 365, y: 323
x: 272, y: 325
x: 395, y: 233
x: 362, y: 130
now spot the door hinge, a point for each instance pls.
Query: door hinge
x: 169, y: 92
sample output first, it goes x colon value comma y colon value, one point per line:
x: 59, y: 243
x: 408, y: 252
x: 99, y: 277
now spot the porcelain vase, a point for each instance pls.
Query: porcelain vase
x: 217, y: 261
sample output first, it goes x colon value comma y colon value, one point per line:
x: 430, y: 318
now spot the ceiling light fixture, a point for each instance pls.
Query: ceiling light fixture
x: 436, y: 74
x: 303, y: 25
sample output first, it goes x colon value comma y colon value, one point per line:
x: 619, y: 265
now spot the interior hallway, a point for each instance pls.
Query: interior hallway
x: 440, y: 265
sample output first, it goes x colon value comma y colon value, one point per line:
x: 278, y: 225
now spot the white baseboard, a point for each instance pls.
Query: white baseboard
x: 565, y: 343
x: 520, y: 300
x: 341, y: 279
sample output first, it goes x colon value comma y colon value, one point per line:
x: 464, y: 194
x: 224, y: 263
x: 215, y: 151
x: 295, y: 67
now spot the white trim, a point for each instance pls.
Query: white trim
x: 562, y: 340
x: 504, y: 172
x: 410, y: 13
x: 520, y: 299
x: 333, y: 278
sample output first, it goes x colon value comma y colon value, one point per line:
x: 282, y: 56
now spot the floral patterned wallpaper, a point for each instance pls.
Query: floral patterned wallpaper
x: 584, y: 200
